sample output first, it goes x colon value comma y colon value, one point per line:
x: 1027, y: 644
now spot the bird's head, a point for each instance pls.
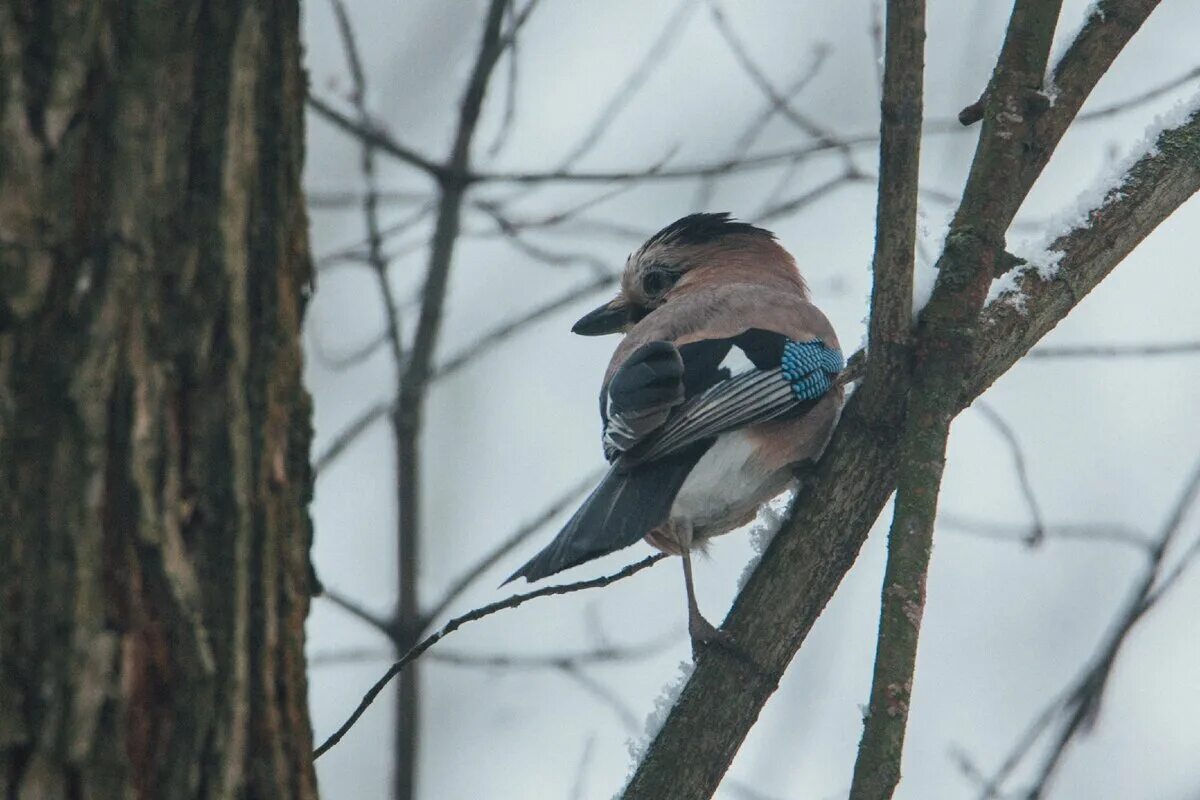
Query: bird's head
x: 696, y: 252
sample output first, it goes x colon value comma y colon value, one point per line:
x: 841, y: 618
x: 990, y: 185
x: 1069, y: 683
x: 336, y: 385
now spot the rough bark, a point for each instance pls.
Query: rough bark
x: 154, y: 432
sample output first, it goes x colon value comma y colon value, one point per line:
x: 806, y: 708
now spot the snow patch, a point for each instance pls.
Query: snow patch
x: 655, y: 719
x: 1005, y: 289
x: 766, y: 524
x: 1040, y: 253
x: 933, y: 231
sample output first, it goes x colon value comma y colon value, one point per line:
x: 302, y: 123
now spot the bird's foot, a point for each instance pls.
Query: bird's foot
x: 704, y: 634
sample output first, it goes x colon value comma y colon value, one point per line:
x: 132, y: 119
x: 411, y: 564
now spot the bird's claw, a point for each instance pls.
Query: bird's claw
x: 703, y: 633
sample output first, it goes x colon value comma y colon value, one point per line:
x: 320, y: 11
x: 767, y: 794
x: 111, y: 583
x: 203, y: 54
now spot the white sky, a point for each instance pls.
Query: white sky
x: 1006, y: 627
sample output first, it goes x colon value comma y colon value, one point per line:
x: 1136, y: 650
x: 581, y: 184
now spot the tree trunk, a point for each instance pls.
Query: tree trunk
x: 154, y: 431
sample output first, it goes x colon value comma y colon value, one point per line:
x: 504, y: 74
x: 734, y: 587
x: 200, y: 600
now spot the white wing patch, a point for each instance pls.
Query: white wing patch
x: 736, y: 362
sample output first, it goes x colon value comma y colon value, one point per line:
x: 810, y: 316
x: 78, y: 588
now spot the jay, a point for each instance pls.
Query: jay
x: 725, y: 380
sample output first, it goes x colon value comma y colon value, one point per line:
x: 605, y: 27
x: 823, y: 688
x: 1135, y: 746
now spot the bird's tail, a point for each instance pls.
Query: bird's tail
x: 621, y: 510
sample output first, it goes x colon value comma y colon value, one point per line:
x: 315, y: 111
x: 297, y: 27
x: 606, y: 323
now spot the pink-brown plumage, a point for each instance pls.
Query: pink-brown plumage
x: 697, y: 294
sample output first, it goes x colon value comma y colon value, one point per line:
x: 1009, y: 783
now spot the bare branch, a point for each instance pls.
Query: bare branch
x: 890, y: 325
x: 567, y: 660
x: 1103, y: 36
x: 354, y: 609
x: 358, y: 355
x: 1115, y: 350
x: 1082, y: 699
x: 510, y: 543
x: 633, y: 83
x: 1018, y: 455
x: 375, y: 257
x: 353, y: 655
x: 1031, y: 536
x: 350, y: 434
x: 805, y: 199
x: 756, y: 126
x: 472, y: 616
x: 742, y: 55
x: 371, y: 134
x: 503, y: 332
x: 412, y: 377
x: 336, y: 200
x: 877, y: 768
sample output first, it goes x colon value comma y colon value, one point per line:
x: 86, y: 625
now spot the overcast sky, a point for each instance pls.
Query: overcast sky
x: 1006, y: 626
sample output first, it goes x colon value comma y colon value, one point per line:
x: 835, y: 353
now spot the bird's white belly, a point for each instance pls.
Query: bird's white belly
x: 724, y: 486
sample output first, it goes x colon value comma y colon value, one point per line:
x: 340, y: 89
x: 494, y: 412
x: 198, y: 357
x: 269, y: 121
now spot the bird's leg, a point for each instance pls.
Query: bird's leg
x: 700, y: 629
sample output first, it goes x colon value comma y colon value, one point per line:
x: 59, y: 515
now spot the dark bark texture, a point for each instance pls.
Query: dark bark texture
x: 154, y: 431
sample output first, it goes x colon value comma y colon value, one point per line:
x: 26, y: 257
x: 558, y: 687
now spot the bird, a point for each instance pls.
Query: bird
x: 725, y: 380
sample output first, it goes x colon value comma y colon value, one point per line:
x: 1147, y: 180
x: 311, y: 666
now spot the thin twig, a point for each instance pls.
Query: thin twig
x: 510, y: 543
x: 759, y: 78
x: 805, y: 199
x: 1030, y: 536
x: 355, y: 609
x: 472, y: 616
x: 579, y: 785
x: 1115, y: 350
x: 659, y: 49
x: 353, y: 655
x: 596, y: 655
x: 498, y: 335
x: 370, y: 133
x: 1082, y: 699
x: 604, y: 695
x: 350, y: 434
x: 758, y: 124
x: 1018, y: 455
x: 1086, y: 697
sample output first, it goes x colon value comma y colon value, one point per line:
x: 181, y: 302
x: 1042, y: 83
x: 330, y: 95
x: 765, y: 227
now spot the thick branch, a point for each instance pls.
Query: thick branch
x: 807, y: 559
x: 413, y: 383
x: 896, y: 210
x: 948, y: 328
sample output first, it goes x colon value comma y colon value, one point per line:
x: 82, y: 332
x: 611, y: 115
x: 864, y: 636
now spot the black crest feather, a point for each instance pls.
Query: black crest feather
x: 697, y: 229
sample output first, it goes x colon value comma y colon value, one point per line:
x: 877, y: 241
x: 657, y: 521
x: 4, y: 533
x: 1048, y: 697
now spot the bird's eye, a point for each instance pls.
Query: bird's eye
x: 658, y: 281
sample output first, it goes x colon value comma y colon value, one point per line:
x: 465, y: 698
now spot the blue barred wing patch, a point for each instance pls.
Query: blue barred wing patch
x: 810, y: 368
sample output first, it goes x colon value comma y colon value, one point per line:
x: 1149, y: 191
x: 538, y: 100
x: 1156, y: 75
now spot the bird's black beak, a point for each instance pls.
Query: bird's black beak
x: 612, y: 317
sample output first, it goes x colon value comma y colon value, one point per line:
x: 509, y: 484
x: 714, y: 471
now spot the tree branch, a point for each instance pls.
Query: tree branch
x: 1115, y: 350
x: 890, y: 328
x: 805, y: 562
x: 513, y: 541
x: 1080, y: 702
x: 413, y: 383
x: 458, y: 622
x: 355, y: 609
x: 877, y: 768
x: 1038, y: 529
x: 373, y: 135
